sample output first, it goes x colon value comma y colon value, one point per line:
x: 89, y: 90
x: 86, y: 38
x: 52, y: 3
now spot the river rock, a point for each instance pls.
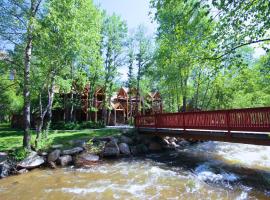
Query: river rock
x: 139, y: 149
x: 54, y: 155
x: 155, y: 146
x: 175, y: 145
x: 3, y: 156
x: 111, y: 149
x: 22, y: 171
x: 101, y: 139
x: 32, y: 161
x: 73, y: 151
x: 166, y: 141
x: 52, y: 165
x: 86, y: 159
x: 65, y: 160
x: 43, y: 153
x: 125, y: 139
x: 57, y: 146
x: 124, y: 149
x: 5, y: 169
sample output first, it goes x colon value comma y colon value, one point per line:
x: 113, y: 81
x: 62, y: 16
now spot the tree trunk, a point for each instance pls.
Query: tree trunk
x: 26, y: 93
x: 138, y: 87
x: 49, y: 106
x: 39, y: 122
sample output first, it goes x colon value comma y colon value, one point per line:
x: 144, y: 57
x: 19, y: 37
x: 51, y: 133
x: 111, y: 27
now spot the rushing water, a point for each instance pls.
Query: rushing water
x: 209, y: 170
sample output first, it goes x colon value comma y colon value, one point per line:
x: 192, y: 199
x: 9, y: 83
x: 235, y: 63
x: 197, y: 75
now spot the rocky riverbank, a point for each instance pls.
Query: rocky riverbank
x: 88, y: 153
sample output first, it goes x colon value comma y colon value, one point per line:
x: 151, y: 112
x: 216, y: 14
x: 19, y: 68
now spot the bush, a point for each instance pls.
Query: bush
x: 19, y: 154
x: 44, y: 143
x: 92, y: 125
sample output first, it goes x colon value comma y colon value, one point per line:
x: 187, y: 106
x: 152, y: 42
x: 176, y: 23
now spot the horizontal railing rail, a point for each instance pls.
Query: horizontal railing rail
x: 249, y: 119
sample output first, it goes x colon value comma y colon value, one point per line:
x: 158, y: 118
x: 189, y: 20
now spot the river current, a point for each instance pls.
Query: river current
x: 209, y: 170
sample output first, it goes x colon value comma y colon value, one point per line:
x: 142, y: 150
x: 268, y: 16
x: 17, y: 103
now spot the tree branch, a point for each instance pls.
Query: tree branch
x: 237, y: 47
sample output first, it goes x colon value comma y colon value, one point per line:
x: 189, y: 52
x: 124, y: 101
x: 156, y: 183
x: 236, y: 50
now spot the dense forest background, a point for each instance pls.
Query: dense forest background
x: 203, y: 55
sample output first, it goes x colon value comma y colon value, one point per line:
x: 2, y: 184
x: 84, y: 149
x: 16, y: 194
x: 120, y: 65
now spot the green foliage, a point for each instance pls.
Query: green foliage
x: 92, y: 125
x: 19, y: 154
x: 44, y: 143
x: 94, y: 148
x: 77, y: 126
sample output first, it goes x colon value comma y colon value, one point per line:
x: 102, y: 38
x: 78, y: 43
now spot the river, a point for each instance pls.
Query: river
x: 210, y: 170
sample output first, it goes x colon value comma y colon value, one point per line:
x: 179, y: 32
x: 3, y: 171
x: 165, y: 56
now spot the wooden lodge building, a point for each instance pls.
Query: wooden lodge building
x: 122, y: 106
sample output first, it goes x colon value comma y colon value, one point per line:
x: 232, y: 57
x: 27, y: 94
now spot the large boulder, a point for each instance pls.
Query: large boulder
x: 125, y: 139
x: 124, y: 149
x: 5, y: 169
x: 139, y: 149
x: 65, y: 160
x: 32, y: 161
x: 86, y: 159
x: 73, y: 151
x: 101, y: 139
x: 111, y: 149
x: 54, y: 155
x: 155, y: 146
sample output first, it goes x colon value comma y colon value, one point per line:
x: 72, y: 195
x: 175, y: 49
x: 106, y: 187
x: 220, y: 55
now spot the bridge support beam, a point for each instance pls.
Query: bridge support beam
x: 222, y: 136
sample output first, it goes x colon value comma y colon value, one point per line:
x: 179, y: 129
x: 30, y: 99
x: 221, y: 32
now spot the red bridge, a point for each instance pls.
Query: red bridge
x: 249, y: 126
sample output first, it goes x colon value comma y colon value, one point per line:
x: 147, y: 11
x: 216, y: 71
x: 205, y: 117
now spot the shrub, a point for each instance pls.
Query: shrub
x: 44, y: 143
x: 77, y: 126
x: 65, y: 126
x: 92, y: 125
x: 19, y: 154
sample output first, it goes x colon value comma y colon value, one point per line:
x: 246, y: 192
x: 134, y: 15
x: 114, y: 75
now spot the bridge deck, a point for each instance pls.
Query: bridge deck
x: 249, y: 126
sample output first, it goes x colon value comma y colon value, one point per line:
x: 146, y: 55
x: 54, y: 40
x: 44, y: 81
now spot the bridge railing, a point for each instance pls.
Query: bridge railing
x: 249, y: 119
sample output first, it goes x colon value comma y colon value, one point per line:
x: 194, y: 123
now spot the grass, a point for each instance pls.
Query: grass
x: 11, y: 139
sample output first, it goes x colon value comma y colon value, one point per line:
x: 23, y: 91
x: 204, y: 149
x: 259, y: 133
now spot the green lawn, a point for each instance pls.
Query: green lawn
x: 12, y: 138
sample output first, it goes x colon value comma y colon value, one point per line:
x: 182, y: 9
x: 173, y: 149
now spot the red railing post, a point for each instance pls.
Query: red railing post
x: 184, y: 122
x: 228, y: 122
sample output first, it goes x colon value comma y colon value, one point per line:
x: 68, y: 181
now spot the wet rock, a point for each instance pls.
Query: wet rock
x: 172, y: 139
x: 65, y: 160
x: 125, y: 139
x: 86, y: 159
x: 139, y: 149
x: 111, y: 149
x: 52, y: 165
x: 173, y: 144
x: 133, y: 150
x: 22, y: 171
x: 101, y: 139
x: 155, y: 146
x: 54, y: 155
x: 3, y: 156
x: 43, y: 153
x: 5, y: 169
x: 166, y: 141
x: 57, y: 146
x: 32, y: 161
x: 142, y: 149
x: 183, y: 143
x: 124, y: 149
x: 73, y: 151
